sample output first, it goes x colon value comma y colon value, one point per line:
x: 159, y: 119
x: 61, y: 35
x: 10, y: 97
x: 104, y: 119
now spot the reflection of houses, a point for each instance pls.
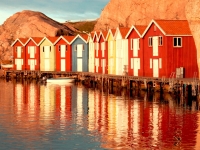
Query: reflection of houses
x: 63, y: 102
x: 169, y: 47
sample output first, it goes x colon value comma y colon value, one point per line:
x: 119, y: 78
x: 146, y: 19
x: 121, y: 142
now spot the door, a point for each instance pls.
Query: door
x: 136, y: 66
x: 46, y: 65
x: 19, y: 64
x: 155, y: 68
x: 62, y: 65
x: 32, y: 64
x: 103, y: 66
x: 79, y: 65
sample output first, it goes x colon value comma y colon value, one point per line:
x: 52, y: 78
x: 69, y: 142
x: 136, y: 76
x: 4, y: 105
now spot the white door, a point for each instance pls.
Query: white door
x: 62, y: 65
x: 32, y: 64
x: 103, y: 66
x: 155, y: 68
x: 46, y: 65
x: 155, y: 46
x: 136, y: 64
x: 79, y: 65
x: 19, y: 63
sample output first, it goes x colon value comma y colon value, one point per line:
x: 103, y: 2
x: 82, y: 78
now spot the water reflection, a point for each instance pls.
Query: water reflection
x: 77, y: 117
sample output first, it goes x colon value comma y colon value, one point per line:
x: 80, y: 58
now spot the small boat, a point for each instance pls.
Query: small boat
x: 8, y: 66
x: 60, y: 80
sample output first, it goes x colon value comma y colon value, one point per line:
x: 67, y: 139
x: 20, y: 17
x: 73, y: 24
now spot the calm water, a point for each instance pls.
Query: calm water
x: 35, y: 116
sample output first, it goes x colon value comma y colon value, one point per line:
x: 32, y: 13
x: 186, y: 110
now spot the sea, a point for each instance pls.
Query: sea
x: 71, y: 116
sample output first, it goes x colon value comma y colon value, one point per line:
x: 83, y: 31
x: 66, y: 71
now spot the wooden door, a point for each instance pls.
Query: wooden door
x: 62, y: 65
x: 79, y: 65
x: 155, y: 68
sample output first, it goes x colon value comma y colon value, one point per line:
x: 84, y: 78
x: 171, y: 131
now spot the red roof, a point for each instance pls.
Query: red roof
x: 124, y: 31
x: 23, y: 40
x: 174, y: 27
x: 52, y: 39
x: 113, y: 31
x: 37, y: 40
x: 69, y: 38
x: 140, y: 28
x: 84, y: 36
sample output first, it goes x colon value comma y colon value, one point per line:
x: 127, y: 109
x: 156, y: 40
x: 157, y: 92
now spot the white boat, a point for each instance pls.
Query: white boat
x: 60, y: 80
x: 6, y: 65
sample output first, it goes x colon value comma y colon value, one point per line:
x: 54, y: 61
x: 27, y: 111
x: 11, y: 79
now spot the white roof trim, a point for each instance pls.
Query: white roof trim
x: 61, y: 37
x: 153, y: 21
x: 129, y: 32
x: 16, y: 41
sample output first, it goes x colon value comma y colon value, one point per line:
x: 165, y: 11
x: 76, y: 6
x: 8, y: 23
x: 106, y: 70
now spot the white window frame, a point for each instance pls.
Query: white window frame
x: 176, y: 38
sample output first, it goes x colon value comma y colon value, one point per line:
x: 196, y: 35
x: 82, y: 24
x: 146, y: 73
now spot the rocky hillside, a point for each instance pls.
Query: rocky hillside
x: 134, y: 12
x: 29, y: 24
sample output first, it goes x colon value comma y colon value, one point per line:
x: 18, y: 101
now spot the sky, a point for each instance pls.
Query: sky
x: 59, y: 10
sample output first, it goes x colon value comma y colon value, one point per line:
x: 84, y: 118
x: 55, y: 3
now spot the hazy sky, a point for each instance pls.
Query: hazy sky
x: 59, y: 10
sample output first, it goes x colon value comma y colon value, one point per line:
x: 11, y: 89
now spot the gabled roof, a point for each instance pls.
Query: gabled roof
x: 36, y: 40
x: 96, y: 34
x: 62, y: 37
x: 171, y: 27
x: 52, y: 40
x: 112, y: 32
x: 84, y: 37
x: 69, y: 38
x: 103, y: 34
x: 21, y: 40
x: 138, y: 28
x: 123, y: 31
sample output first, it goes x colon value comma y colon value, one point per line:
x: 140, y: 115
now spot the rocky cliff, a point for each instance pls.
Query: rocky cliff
x: 192, y: 12
x: 28, y: 24
x: 134, y: 12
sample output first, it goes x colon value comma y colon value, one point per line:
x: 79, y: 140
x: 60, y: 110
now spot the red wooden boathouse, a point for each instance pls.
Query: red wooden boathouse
x: 135, y: 51
x: 169, y: 49
x: 64, y: 53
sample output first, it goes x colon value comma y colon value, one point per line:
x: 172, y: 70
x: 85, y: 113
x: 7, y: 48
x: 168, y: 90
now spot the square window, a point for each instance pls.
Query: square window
x: 177, y: 41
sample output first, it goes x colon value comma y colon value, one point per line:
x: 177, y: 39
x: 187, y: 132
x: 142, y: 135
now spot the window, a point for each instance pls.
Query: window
x: 177, y: 41
x: 75, y: 49
x: 160, y: 40
x: 150, y: 41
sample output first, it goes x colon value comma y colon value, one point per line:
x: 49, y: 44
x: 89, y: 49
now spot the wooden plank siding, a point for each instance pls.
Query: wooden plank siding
x: 91, y: 60
x: 19, y: 53
x: 80, y: 54
x: 47, y: 54
x: 103, y: 48
x: 63, y: 53
x: 168, y: 57
x: 32, y: 52
x: 135, y: 33
x: 111, y: 52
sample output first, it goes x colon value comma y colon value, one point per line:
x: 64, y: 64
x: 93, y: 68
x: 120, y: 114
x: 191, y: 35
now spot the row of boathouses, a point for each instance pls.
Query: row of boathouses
x: 164, y: 48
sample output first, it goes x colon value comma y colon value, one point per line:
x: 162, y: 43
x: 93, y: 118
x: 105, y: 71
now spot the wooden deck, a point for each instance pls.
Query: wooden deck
x: 108, y: 76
